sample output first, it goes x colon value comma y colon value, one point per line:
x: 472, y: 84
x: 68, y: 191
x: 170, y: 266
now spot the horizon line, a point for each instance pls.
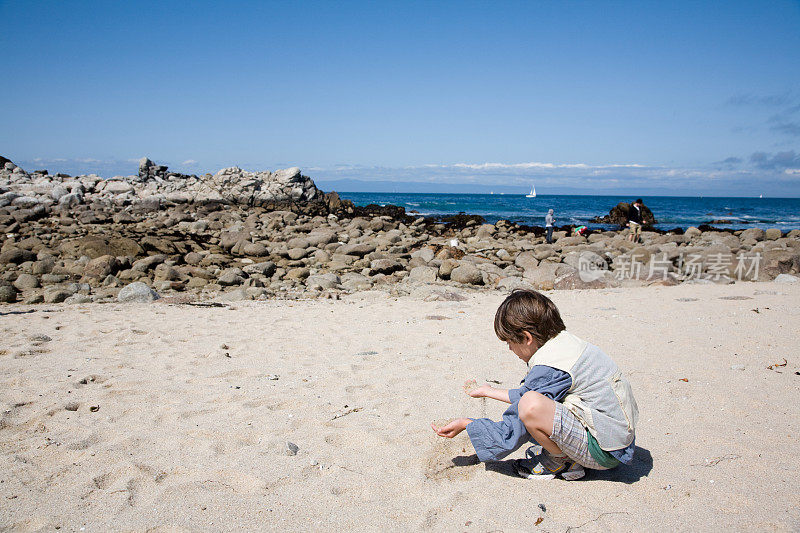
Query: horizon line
x: 549, y: 194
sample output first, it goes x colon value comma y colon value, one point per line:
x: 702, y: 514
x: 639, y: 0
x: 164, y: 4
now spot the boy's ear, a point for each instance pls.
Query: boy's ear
x: 528, y: 338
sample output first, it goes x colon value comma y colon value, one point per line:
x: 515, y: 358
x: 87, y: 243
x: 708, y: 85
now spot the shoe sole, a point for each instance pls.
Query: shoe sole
x: 573, y: 475
x: 526, y: 474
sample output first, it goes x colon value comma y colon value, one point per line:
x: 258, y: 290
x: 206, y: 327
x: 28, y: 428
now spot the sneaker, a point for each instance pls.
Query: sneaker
x: 575, y: 471
x: 528, y: 469
x: 532, y: 468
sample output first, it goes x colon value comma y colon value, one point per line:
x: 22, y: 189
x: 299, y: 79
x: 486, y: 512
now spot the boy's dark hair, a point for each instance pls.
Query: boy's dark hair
x: 638, y: 201
x: 525, y: 310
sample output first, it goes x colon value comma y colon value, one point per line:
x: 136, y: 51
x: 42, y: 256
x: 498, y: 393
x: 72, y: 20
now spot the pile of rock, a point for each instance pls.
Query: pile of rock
x: 619, y: 215
x: 222, y: 235
x: 155, y: 185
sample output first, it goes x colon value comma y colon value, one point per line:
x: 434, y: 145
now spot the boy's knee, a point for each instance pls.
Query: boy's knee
x: 532, y: 405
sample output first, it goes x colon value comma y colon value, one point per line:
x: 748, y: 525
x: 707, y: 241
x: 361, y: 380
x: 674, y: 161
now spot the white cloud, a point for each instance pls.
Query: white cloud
x: 189, y: 162
x: 535, y: 166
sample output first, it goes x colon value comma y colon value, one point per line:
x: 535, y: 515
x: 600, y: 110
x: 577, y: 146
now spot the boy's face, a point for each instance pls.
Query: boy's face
x: 525, y: 349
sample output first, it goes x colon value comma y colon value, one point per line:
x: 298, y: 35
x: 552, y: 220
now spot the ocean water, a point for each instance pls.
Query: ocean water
x: 670, y: 211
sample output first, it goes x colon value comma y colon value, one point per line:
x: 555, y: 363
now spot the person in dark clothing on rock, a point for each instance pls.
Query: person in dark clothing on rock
x: 635, y: 221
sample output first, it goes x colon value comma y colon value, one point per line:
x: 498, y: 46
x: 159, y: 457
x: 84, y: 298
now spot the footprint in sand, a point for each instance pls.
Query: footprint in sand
x: 88, y: 380
x: 432, y: 515
x: 39, y: 339
x: 24, y: 354
x: 84, y: 444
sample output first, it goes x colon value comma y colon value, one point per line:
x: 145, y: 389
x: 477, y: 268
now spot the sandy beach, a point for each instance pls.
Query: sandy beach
x: 173, y: 417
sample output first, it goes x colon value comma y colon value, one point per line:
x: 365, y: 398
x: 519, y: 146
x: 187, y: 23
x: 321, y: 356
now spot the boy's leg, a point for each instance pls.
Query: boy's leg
x: 536, y: 412
x: 565, y: 433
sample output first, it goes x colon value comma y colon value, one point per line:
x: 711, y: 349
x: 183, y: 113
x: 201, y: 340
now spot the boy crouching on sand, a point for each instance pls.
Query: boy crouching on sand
x: 574, y: 401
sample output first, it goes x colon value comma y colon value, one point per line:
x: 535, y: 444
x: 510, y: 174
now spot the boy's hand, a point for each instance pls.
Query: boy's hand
x: 481, y: 392
x: 471, y: 388
x: 452, y: 429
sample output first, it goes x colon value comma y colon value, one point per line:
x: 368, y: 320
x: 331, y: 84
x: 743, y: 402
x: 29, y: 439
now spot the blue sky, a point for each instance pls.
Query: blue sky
x: 651, y: 97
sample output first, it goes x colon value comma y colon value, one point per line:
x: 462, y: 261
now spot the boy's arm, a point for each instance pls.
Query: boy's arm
x: 545, y: 380
x: 487, y: 391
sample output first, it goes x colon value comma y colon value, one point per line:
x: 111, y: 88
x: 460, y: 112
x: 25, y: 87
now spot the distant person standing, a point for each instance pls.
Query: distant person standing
x: 549, y: 221
x: 635, y: 221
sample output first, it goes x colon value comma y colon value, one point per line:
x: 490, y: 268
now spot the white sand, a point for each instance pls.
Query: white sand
x: 186, y: 438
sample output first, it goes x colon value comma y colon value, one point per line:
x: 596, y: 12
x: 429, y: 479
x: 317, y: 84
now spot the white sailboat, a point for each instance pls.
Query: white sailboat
x: 532, y: 194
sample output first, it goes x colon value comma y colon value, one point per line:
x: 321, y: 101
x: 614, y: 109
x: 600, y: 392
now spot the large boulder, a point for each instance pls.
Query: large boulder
x: 102, y: 266
x: 166, y: 272
x: 267, y: 268
x: 542, y: 277
x: 777, y: 261
x: 526, y: 260
x: 231, y: 276
x: 772, y: 234
x: 298, y: 273
x: 511, y: 283
x: 149, y: 262
x: 137, y: 292
x: 95, y: 246
x: 149, y: 170
x: 25, y: 282
x: 254, y: 249
x: 586, y: 261
x: 571, y: 278
x: 619, y: 215
x: 447, y: 267
x: 16, y: 256
x: 55, y: 295
x: 574, y: 240
x: 543, y: 251
x: 467, y: 273
x: 273, y: 190
x: 756, y: 234
x: 384, y: 266
x: 8, y: 293
x: 320, y: 238
x: 424, y: 274
x: 117, y: 187
x: 357, y: 249
x: 325, y: 281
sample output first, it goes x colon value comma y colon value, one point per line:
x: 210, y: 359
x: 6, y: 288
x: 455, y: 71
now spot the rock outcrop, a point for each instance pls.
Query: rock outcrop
x: 155, y: 186
x: 619, y: 215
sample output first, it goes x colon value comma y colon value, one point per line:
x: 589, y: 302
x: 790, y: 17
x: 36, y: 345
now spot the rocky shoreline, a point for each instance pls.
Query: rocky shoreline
x: 251, y: 235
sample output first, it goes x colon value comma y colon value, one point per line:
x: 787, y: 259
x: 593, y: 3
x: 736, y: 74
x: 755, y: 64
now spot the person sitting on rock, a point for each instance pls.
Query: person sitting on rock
x: 635, y: 221
x: 574, y: 402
